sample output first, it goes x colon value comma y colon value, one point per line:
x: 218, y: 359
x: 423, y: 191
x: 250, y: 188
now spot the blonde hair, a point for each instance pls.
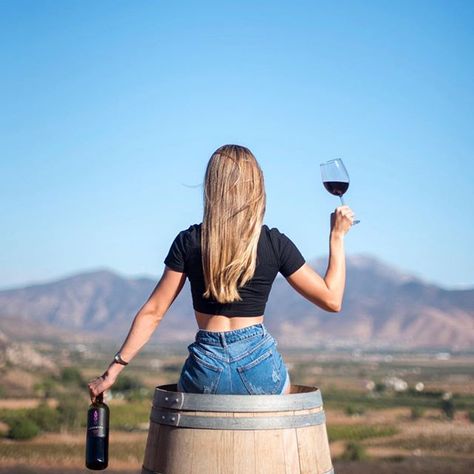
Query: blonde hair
x: 234, y: 206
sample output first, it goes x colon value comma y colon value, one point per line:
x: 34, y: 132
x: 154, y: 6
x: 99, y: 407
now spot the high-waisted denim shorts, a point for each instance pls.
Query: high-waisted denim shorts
x: 243, y: 361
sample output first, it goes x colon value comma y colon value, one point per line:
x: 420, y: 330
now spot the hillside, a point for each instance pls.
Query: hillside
x: 382, y: 308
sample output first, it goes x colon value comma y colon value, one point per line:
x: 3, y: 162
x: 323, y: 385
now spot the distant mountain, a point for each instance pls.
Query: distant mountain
x: 382, y: 308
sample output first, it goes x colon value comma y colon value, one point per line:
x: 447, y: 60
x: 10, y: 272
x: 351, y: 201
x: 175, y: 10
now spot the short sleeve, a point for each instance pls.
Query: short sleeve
x: 290, y: 257
x: 176, y: 258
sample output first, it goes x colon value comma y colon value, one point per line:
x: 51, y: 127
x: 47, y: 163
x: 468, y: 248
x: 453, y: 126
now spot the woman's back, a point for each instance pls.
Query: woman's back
x: 275, y: 253
x: 231, y: 260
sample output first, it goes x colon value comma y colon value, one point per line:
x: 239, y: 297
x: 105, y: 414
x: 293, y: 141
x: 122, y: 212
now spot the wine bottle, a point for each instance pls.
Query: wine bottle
x: 97, y: 439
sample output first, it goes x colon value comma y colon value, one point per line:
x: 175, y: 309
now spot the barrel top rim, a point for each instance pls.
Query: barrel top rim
x: 313, y: 389
x: 167, y: 396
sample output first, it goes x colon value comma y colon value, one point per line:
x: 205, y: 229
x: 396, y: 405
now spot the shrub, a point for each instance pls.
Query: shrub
x: 130, y: 416
x: 354, y: 452
x: 380, y: 387
x: 11, y: 416
x: 354, y: 410
x: 46, y: 388
x: 138, y: 395
x: 359, y: 432
x: 125, y: 383
x: 470, y: 415
x: 447, y: 407
x: 72, y: 411
x: 47, y: 418
x: 71, y: 376
x: 416, y: 413
x: 23, y: 428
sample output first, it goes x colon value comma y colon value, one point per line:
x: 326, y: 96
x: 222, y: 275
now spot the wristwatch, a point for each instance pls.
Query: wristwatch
x: 119, y: 360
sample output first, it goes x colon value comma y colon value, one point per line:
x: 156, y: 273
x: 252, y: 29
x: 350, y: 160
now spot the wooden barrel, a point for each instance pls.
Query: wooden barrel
x: 237, y: 434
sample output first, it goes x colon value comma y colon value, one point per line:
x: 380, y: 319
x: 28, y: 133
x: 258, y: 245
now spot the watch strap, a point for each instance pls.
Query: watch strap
x: 119, y: 360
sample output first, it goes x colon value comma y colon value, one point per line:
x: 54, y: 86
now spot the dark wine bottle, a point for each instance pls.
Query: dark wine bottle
x: 97, y: 439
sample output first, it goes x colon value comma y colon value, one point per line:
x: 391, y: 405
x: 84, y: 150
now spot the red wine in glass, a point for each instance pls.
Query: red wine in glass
x: 336, y: 179
x: 338, y: 188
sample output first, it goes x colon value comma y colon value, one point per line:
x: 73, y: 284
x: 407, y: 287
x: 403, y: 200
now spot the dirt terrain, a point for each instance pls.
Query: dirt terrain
x: 388, y: 439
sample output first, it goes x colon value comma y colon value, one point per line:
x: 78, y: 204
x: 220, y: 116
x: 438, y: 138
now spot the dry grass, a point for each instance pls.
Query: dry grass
x: 66, y: 451
x: 412, y: 465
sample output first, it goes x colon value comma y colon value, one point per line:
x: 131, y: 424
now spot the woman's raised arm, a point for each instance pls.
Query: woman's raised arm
x: 144, y: 324
x: 327, y: 292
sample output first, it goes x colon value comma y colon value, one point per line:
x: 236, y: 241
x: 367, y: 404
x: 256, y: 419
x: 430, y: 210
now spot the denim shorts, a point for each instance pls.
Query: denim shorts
x: 243, y: 361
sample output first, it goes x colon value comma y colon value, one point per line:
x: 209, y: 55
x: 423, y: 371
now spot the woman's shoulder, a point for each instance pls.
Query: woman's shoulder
x: 274, y: 236
x: 194, y: 228
x: 278, y: 239
x: 288, y: 254
x: 272, y: 232
x: 191, y: 234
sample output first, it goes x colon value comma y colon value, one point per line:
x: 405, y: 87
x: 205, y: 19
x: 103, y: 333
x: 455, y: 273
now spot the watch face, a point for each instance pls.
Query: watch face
x: 119, y: 360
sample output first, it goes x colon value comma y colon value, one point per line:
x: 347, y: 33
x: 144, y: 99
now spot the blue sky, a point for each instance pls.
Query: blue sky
x: 111, y: 110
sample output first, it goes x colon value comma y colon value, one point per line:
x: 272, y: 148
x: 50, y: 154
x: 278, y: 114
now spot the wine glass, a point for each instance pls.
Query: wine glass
x: 336, y: 179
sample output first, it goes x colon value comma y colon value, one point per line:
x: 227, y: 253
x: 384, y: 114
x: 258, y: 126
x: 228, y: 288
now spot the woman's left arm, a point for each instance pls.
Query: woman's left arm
x: 144, y: 324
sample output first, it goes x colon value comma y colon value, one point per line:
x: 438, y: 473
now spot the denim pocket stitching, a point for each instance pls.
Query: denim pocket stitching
x: 215, y: 379
x: 205, y: 363
x: 255, y: 362
x: 250, y: 365
x: 248, y: 336
x: 205, y: 353
x: 253, y: 349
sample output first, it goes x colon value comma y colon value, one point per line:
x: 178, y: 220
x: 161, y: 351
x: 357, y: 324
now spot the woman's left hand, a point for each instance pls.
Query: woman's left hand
x: 100, y: 385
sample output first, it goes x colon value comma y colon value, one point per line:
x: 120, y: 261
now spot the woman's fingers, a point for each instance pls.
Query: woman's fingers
x: 96, y: 387
x: 343, y: 219
x: 95, y: 384
x: 343, y: 210
x: 99, y: 385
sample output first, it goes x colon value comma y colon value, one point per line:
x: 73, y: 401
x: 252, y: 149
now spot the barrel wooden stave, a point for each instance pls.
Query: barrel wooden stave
x: 243, y: 443
x: 182, y: 450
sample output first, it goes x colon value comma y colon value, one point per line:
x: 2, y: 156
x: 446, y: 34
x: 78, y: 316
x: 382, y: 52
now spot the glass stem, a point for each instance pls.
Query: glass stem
x: 342, y: 201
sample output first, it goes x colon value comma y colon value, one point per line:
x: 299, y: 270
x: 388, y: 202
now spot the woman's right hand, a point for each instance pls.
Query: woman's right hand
x: 100, y: 384
x: 341, y: 220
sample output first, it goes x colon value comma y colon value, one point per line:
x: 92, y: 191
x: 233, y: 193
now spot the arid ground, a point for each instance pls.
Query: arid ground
x: 386, y: 412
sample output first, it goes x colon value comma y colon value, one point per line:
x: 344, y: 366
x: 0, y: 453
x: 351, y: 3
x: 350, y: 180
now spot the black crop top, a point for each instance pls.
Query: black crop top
x: 275, y: 253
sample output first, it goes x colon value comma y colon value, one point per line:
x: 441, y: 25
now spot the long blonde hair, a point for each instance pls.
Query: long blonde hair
x: 234, y: 206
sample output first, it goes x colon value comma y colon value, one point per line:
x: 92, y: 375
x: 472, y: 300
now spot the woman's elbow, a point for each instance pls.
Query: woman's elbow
x: 332, y: 306
x: 328, y: 305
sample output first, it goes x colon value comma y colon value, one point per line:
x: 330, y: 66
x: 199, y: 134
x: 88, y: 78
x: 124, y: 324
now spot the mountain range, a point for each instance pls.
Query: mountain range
x: 382, y: 308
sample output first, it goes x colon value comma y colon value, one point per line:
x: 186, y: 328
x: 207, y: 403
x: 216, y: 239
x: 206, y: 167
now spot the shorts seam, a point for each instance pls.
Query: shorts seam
x: 239, y: 339
x: 209, y: 354
x: 276, y: 389
x: 253, y: 349
x: 256, y: 361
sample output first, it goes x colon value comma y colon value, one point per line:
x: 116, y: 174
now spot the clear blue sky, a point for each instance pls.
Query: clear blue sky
x: 110, y: 111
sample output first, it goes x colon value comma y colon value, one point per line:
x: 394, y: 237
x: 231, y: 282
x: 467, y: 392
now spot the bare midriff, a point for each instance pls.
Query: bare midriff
x: 220, y: 322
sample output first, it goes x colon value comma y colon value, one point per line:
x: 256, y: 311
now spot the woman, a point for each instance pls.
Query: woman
x: 231, y: 260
